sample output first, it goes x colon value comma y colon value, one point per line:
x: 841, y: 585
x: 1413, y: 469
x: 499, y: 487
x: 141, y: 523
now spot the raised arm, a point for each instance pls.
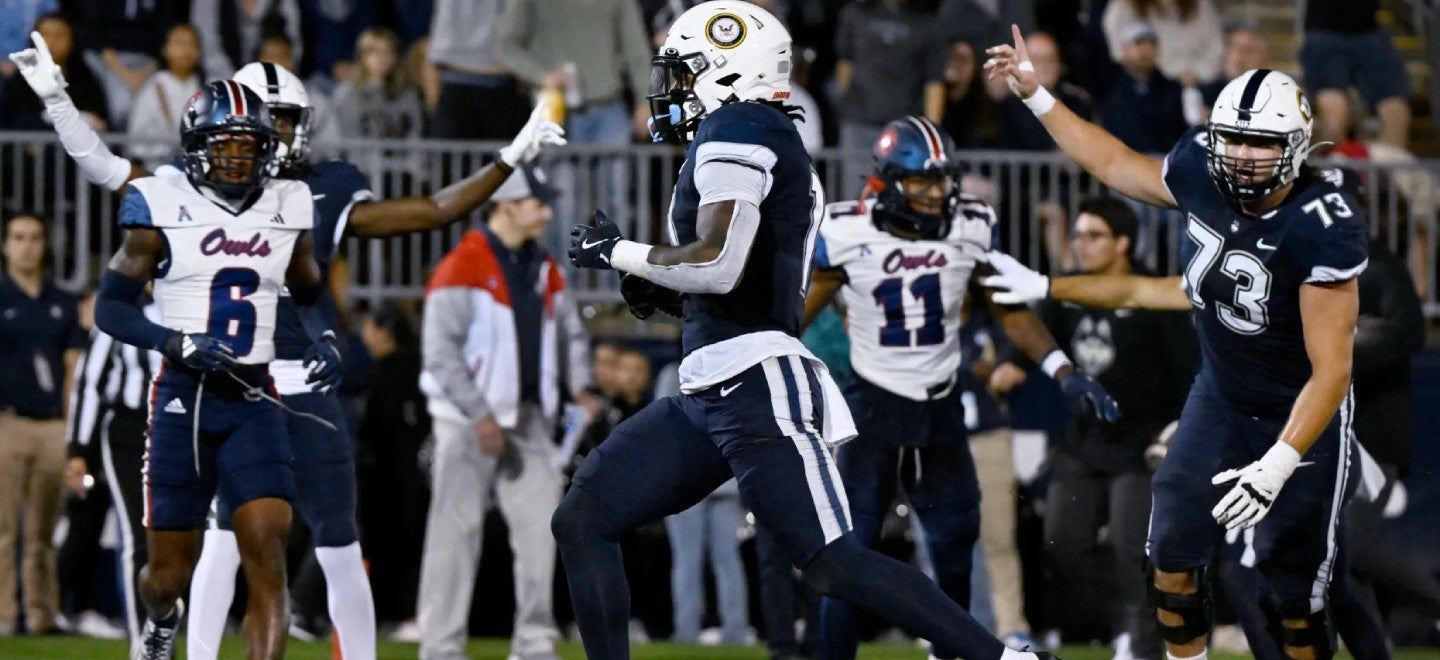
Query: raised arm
x: 1014, y: 283
x: 95, y: 160
x: 458, y: 200
x: 1132, y: 174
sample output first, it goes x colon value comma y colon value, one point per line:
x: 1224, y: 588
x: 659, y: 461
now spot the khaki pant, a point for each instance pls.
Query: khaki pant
x: 461, y: 485
x: 32, y: 481
x: 996, y: 469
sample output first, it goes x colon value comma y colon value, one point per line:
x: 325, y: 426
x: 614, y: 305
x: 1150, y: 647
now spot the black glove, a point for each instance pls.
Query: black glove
x: 198, y: 351
x: 1087, y: 396
x: 322, y: 360
x: 590, y: 246
x: 644, y: 297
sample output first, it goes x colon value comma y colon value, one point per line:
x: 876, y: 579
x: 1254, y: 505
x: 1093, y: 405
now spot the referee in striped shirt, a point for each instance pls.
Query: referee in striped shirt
x: 106, y: 438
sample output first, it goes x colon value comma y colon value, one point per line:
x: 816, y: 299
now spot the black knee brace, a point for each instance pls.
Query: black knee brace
x: 1315, y: 635
x: 1194, y: 609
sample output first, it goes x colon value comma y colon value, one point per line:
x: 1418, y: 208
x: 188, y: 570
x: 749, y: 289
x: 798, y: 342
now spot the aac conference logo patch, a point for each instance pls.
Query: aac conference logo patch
x: 725, y: 31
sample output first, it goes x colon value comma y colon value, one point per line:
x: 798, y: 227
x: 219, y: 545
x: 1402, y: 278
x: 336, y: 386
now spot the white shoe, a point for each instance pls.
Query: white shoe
x: 1122, y: 647
x: 408, y: 631
x: 1229, y: 639
x: 91, y: 624
x: 158, y: 642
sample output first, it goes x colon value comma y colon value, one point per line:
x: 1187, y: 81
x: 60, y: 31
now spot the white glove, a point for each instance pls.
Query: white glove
x: 1014, y: 284
x: 1256, y: 487
x: 537, y: 134
x: 40, y: 70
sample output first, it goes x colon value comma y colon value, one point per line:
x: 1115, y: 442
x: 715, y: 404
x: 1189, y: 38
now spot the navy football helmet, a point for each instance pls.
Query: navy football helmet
x: 218, y: 121
x: 915, y: 179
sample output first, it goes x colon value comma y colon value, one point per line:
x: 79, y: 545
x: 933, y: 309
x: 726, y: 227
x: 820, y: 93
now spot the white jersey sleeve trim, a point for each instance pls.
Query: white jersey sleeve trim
x: 360, y: 197
x: 1328, y: 274
x: 731, y: 170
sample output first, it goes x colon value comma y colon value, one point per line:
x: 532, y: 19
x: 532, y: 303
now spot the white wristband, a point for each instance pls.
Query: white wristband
x: 1053, y: 361
x: 631, y: 257
x: 1040, y: 102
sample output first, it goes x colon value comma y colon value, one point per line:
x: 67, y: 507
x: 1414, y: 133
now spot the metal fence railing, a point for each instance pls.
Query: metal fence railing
x: 1035, y: 195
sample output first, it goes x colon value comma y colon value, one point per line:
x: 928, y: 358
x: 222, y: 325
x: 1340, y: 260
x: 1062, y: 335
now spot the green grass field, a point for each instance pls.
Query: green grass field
x: 31, y: 648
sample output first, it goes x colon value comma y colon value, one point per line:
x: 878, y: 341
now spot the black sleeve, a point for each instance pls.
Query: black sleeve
x: 1392, y: 323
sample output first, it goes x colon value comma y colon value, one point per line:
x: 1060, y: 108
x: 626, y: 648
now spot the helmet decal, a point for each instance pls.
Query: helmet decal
x: 725, y: 31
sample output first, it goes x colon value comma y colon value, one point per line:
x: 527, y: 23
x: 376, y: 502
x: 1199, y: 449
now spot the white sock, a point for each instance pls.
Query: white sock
x: 352, y: 607
x: 212, y: 588
x: 1203, y: 655
x: 1012, y: 654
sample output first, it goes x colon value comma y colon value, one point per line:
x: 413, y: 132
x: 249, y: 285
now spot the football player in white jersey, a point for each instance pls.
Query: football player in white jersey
x: 220, y: 239
x: 902, y: 259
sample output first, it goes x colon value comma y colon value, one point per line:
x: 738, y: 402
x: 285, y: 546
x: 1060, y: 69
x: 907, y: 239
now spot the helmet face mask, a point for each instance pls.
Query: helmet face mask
x: 675, y: 109
x: 715, y: 53
x: 1255, y: 176
x: 228, y: 140
x: 1258, y: 136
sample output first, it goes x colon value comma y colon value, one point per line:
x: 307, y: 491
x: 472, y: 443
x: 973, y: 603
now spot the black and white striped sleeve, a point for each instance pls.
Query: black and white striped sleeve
x: 82, y: 426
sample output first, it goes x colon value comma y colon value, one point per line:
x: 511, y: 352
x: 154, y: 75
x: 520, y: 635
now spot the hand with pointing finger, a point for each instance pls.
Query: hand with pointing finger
x: 1013, y: 62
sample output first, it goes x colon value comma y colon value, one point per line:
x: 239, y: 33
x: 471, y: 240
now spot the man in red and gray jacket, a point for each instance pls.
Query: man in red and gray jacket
x: 498, y: 328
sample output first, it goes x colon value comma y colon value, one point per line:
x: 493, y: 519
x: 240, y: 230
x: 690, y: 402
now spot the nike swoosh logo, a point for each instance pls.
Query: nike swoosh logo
x: 1304, y: 463
x: 1261, y: 244
x: 587, y: 245
x: 320, y: 196
x: 725, y: 391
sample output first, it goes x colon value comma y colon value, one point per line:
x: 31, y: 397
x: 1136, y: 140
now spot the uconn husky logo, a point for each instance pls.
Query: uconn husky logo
x: 216, y: 242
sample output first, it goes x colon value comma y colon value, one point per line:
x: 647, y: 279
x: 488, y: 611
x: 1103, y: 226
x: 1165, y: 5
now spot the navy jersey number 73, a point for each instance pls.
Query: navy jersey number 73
x: 1244, y: 274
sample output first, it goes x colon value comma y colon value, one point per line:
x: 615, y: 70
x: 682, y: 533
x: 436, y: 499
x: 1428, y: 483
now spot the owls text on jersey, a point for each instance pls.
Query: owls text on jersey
x: 224, y: 271
x: 760, y: 317
x: 903, y: 298
x: 1244, y: 273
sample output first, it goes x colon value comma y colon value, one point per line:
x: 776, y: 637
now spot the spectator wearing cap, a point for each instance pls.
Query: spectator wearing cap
x: 1143, y: 108
x: 498, y: 326
x: 40, y: 343
x: 1189, y: 34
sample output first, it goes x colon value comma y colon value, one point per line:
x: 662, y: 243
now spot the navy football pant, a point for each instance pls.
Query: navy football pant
x: 324, y: 469
x: 1295, y: 545
x: 939, y: 480
x: 761, y: 427
x: 206, y: 439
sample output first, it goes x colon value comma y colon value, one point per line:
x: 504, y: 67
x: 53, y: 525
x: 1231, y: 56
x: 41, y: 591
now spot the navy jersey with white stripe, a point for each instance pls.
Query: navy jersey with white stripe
x: 1243, y: 275
x: 771, y: 292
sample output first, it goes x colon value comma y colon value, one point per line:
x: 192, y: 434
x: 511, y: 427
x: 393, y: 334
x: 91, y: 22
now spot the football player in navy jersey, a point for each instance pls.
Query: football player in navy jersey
x: 754, y: 403
x: 344, y: 205
x: 1273, y: 252
x: 904, y: 259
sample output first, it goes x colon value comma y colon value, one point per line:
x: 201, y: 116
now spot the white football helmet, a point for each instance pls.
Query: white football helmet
x: 715, y: 53
x: 1263, y: 104
x: 285, y: 96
